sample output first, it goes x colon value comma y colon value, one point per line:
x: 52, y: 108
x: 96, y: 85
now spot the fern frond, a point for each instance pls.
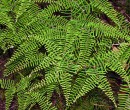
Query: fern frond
x: 6, y: 84
x: 65, y: 82
x: 77, y: 53
x: 106, y: 87
x: 86, y: 47
x: 106, y: 8
x: 107, y: 30
x: 116, y: 65
x: 6, y: 20
x: 81, y: 87
x: 42, y: 101
x: 9, y: 94
x: 124, y: 98
x: 24, y: 100
x: 10, y: 90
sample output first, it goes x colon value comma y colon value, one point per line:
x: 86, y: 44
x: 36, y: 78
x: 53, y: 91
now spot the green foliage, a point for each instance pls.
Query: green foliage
x: 124, y: 95
x: 72, y: 53
x: 25, y: 98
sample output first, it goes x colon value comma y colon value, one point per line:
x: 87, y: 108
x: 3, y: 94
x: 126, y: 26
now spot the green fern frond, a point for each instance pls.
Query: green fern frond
x: 78, y: 50
x: 10, y: 90
x: 86, y: 47
x: 124, y: 98
x: 5, y: 84
x: 9, y: 94
x: 24, y: 100
x: 65, y: 82
x: 106, y: 87
x: 81, y: 87
x: 108, y: 31
x: 106, y: 8
x: 42, y: 101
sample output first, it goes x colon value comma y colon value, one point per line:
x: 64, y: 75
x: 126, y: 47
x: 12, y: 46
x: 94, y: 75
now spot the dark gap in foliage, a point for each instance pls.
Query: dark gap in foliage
x: 2, y: 26
x: 64, y: 13
x: 92, y: 101
x: 128, y: 8
x: 14, y: 104
x: 2, y: 63
x: 75, y: 76
x: 36, y: 107
x: 3, y: 59
x: 43, y: 73
x: 119, y: 5
x: 43, y: 50
x: 62, y: 98
x: 58, y: 100
x: 54, y: 98
x: 106, y: 19
x: 122, y: 6
x: 7, y: 54
x: 2, y: 99
x: 27, y: 71
x: 115, y: 81
x: 12, y: 15
x: 101, y: 99
x: 37, y: 79
x: 43, y: 5
x: 10, y: 52
x: 112, y: 74
x: 127, y: 67
x: 1, y: 52
x: 13, y: 77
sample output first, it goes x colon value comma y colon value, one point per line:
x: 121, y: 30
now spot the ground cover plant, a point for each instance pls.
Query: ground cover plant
x: 65, y: 56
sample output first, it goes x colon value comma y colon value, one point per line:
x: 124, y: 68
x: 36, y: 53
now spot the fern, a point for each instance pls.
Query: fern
x: 25, y: 98
x: 124, y: 97
x: 78, y: 50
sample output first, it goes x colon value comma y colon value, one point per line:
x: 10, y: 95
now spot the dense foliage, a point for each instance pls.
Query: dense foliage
x: 65, y: 52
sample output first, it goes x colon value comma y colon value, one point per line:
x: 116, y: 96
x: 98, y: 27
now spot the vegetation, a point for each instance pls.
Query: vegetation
x: 66, y: 57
